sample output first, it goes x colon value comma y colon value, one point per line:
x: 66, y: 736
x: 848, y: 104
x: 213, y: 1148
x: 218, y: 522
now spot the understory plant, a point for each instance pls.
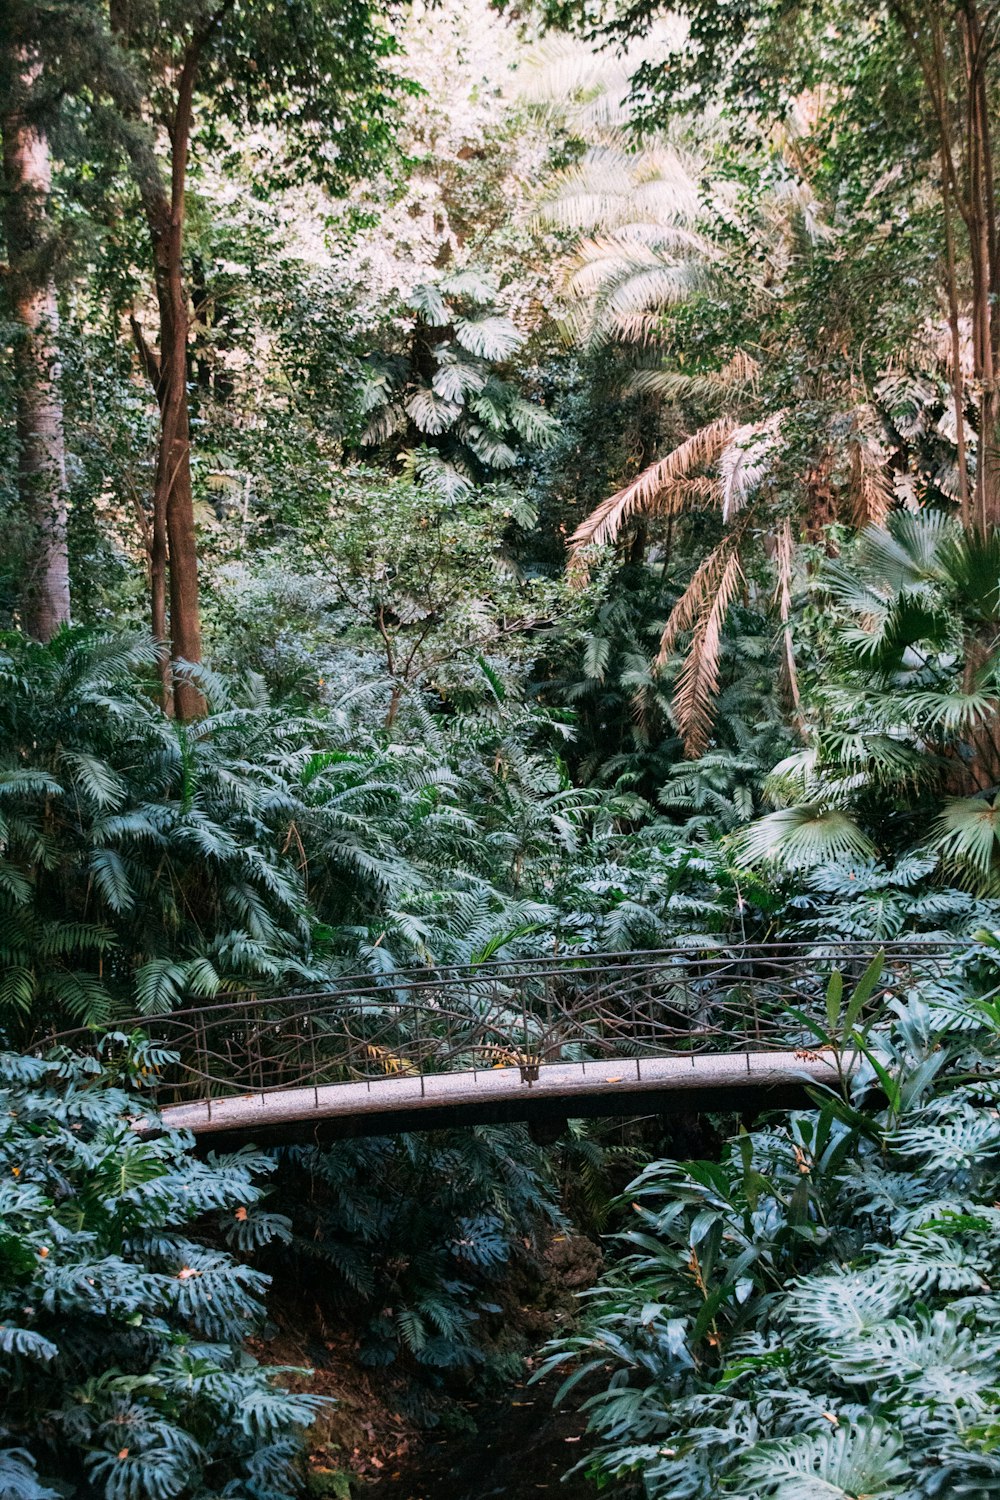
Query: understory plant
x: 815, y: 1313
x: 123, y: 1316
x: 416, y: 1239
x: 901, y: 754
x: 146, y: 864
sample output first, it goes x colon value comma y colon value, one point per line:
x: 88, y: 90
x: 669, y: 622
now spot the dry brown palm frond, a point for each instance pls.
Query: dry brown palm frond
x: 746, y: 460
x: 872, y: 492
x: 742, y: 369
x: 784, y: 558
x: 741, y: 372
x: 695, y: 598
x: 698, y: 684
x: 645, y: 492
x: 701, y: 487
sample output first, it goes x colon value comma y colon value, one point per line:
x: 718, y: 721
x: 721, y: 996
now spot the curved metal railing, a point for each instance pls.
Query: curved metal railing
x: 530, y: 1013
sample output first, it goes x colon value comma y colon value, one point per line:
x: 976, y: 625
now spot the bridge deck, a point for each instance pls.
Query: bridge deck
x: 516, y: 1039
x: 734, y: 1081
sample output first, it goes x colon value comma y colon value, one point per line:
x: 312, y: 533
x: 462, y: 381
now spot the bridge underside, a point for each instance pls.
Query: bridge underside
x: 740, y: 1082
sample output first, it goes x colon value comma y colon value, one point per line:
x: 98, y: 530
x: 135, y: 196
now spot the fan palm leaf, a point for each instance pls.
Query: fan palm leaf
x: 967, y: 836
x: 805, y: 836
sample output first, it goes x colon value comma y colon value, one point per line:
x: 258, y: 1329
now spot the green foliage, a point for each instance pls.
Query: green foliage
x: 400, y: 591
x: 140, y: 860
x: 448, y: 406
x: 412, y: 1239
x: 861, y: 901
x: 145, y: 863
x: 906, y: 717
x: 426, y: 745
x: 813, y: 1313
x: 122, y: 1320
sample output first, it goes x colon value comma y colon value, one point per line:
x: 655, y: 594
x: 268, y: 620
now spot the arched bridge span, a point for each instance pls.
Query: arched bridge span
x: 683, y: 1028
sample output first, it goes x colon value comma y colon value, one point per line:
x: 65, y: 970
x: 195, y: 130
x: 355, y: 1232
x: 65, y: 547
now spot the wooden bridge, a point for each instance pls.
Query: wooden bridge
x: 537, y: 1039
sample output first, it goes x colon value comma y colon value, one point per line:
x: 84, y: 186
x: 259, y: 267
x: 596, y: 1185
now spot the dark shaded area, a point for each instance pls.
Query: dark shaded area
x: 521, y: 1449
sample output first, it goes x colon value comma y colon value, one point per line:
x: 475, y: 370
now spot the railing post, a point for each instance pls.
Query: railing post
x: 312, y: 1056
x: 420, y: 1055
x: 635, y: 1036
x: 202, y: 1046
x: 253, y: 1053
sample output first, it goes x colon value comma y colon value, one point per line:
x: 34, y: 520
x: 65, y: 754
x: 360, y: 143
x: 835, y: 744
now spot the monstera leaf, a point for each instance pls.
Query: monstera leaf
x: 860, y: 1462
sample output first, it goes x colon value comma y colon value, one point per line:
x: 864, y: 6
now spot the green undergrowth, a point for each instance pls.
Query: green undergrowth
x: 815, y: 1312
x: 126, y: 1301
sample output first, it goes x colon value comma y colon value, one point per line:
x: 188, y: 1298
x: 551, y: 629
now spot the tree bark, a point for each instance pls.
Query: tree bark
x: 42, y: 453
x: 174, y: 538
x: 953, y: 46
x: 155, y: 540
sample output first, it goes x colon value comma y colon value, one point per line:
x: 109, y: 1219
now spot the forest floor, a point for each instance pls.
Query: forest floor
x: 502, y: 1439
x: 521, y: 1450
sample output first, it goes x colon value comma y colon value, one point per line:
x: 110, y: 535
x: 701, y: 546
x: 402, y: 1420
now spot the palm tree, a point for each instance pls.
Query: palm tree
x: 646, y: 242
x: 907, y: 751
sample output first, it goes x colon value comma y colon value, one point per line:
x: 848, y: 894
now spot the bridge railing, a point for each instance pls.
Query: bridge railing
x: 527, y: 1014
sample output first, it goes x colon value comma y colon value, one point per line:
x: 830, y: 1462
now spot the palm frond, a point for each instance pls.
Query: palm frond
x: 804, y: 836
x: 967, y: 836
x: 698, y: 686
x: 696, y: 598
x: 872, y: 494
x: 655, y: 486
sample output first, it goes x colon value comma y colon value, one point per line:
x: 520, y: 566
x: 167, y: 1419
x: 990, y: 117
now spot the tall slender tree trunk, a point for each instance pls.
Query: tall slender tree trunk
x: 42, y: 453
x: 954, y: 45
x: 173, y: 502
x: 174, y: 543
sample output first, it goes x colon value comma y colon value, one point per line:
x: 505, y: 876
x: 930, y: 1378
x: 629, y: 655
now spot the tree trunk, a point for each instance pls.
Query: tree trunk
x: 172, y: 499
x: 174, y: 546
x: 954, y: 46
x: 42, y: 454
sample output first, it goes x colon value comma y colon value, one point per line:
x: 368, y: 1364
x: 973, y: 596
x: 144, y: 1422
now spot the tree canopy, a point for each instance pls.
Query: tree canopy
x: 485, y: 484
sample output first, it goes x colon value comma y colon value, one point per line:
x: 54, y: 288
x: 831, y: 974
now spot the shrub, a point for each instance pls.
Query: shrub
x: 816, y: 1313
x: 122, y: 1317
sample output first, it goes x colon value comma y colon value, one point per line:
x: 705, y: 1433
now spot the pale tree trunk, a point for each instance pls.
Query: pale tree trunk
x: 42, y: 454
